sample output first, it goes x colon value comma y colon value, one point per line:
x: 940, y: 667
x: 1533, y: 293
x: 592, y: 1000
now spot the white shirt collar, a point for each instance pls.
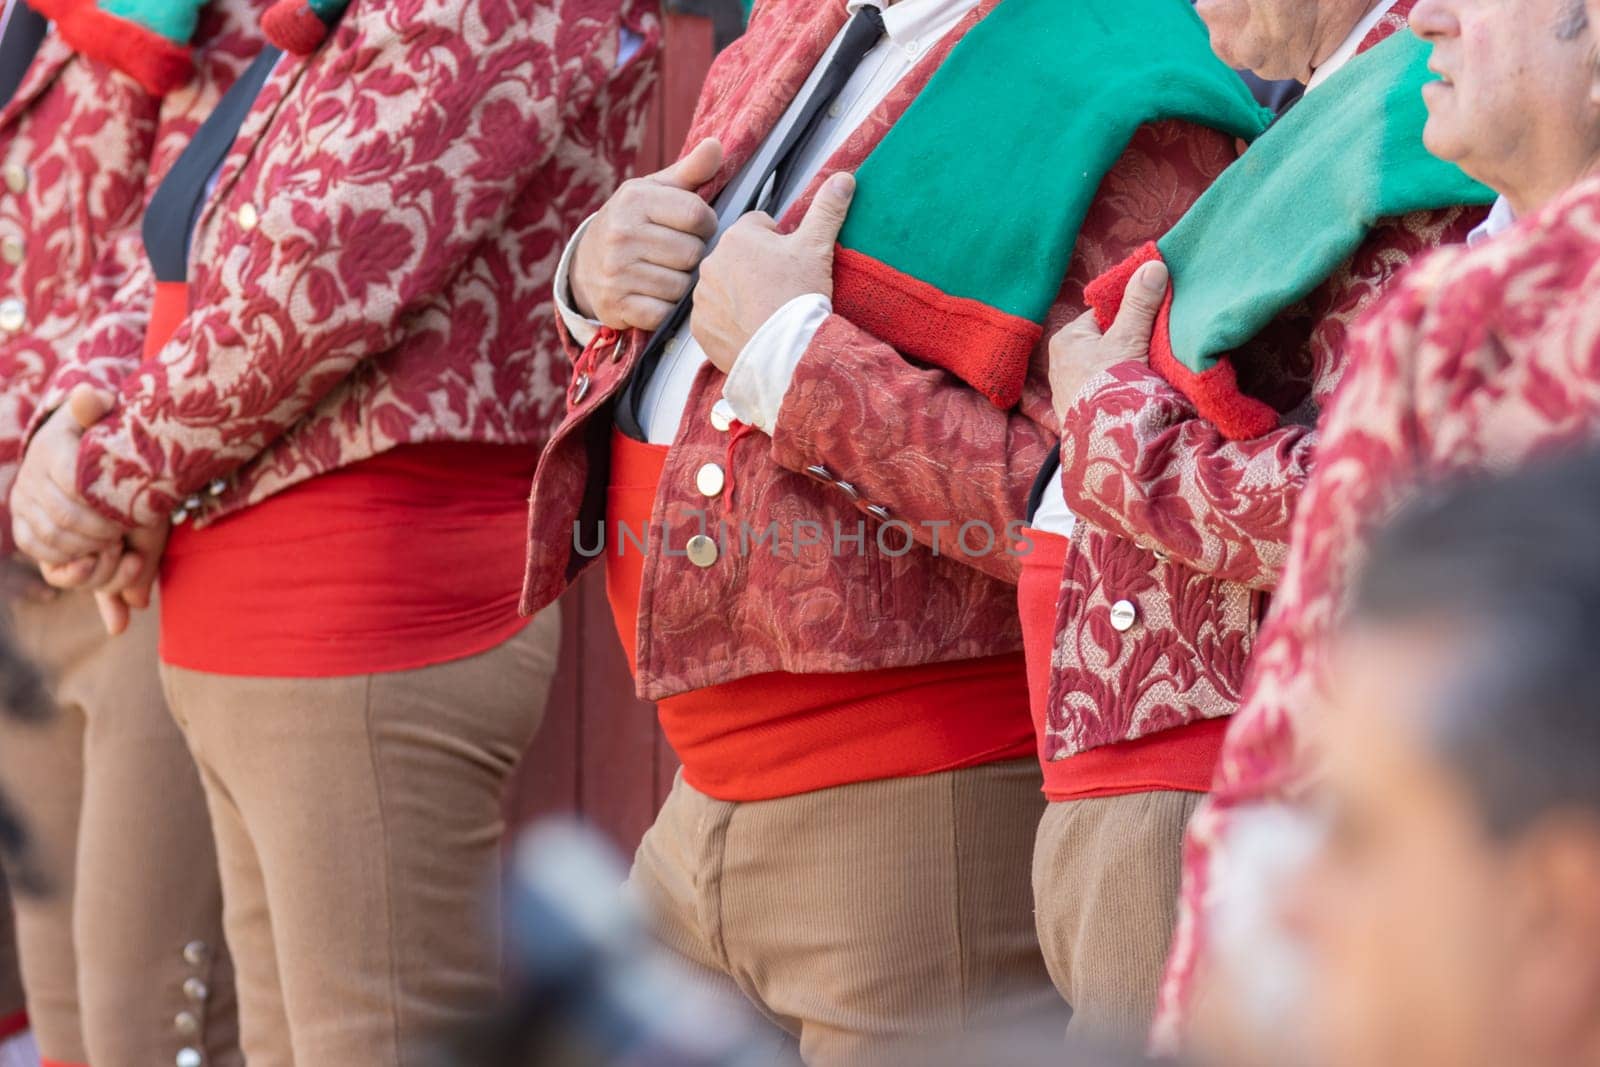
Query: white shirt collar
x: 915, y: 24
x: 1500, y: 219
x: 5, y: 13
x: 1352, y: 44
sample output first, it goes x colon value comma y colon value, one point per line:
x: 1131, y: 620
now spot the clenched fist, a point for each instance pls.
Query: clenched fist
x: 637, y: 258
x: 756, y: 270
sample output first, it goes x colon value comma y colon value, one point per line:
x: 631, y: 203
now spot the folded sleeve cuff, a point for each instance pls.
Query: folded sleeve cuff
x: 761, y: 374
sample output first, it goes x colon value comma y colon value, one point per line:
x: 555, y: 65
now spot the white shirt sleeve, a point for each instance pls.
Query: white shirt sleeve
x: 763, y: 370
x: 582, y: 329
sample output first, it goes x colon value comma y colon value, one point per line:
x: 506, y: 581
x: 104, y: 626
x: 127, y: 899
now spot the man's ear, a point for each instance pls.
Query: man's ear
x: 1557, y: 971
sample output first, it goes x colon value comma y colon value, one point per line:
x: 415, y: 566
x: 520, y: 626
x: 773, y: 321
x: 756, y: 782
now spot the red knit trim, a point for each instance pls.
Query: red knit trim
x: 59, y: 1063
x: 152, y: 60
x: 982, y: 345
x: 1214, y: 392
x: 15, y: 1023
x: 294, y: 27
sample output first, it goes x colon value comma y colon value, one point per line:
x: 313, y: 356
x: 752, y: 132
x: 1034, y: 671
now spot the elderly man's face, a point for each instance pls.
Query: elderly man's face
x: 1513, y: 104
x: 1280, y: 38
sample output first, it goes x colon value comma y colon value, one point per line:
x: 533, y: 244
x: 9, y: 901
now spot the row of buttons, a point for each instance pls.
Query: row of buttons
x: 187, y: 1022
x: 711, y: 479
x: 197, y: 503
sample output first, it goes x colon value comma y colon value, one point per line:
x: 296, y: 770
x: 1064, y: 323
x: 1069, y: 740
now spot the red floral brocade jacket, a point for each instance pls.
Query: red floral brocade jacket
x: 107, y: 334
x: 1188, y: 528
x: 75, y: 140
x: 865, y: 437
x: 373, y: 267
x: 1478, y: 361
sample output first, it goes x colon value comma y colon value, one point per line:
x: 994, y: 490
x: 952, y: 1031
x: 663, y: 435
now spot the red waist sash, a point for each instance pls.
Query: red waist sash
x: 404, y: 560
x: 1179, y: 759
x: 778, y: 734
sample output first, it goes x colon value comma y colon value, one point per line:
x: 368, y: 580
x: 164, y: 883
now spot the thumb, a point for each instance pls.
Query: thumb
x: 1141, y: 302
x: 694, y: 169
x: 831, y: 206
x: 89, y: 405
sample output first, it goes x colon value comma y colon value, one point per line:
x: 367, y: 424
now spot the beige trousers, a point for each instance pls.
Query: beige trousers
x: 1106, y: 876
x: 122, y: 955
x: 358, y: 825
x: 860, y: 916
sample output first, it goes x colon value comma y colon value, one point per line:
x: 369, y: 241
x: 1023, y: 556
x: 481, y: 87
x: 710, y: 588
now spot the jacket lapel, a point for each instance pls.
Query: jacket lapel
x: 1394, y: 21
x: 279, y: 85
x: 744, y: 108
x: 52, y: 56
x: 866, y: 137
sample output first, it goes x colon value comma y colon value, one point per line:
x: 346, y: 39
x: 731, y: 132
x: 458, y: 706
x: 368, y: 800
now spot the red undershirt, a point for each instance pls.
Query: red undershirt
x: 404, y: 560
x: 1178, y: 759
x: 777, y: 734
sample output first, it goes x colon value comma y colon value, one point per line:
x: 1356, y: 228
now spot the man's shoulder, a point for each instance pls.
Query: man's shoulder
x: 1514, y: 281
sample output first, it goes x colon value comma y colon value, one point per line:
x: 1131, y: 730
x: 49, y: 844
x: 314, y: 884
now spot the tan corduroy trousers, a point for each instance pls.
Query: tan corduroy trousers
x: 859, y: 916
x: 122, y: 953
x: 358, y: 825
x: 1106, y: 875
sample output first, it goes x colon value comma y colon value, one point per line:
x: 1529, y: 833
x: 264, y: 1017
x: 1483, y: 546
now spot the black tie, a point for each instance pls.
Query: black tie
x: 860, y: 37
x: 23, y: 34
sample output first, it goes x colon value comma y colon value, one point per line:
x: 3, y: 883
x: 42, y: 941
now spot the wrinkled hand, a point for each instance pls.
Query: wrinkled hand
x: 1080, y: 351
x: 49, y: 520
x: 637, y: 257
x: 129, y: 589
x: 755, y: 271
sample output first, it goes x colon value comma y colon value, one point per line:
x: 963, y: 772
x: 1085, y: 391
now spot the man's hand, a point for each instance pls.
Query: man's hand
x: 637, y: 258
x: 129, y: 588
x: 1080, y: 351
x: 49, y: 520
x: 755, y: 271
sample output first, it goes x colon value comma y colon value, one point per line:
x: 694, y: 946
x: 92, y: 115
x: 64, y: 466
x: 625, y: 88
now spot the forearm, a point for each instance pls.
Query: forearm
x: 913, y: 444
x: 1137, y: 460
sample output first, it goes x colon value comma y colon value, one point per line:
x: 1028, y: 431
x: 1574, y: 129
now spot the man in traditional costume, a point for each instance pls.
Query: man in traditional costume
x: 805, y: 473
x: 1479, y: 357
x: 121, y: 942
x: 1187, y: 432
x: 349, y: 374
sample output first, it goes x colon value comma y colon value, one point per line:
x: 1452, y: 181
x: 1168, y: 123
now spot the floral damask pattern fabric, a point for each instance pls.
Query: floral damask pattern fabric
x: 74, y: 143
x: 1191, y: 530
x: 374, y: 265
x: 868, y: 443
x: 107, y: 337
x: 1476, y: 361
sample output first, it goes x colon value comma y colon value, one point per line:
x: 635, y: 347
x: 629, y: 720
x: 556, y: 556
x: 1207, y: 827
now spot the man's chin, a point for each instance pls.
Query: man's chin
x: 1439, y: 137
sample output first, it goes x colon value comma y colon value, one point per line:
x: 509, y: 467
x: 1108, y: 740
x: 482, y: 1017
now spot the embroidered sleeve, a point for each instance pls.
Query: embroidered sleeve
x: 930, y: 450
x: 1138, y: 460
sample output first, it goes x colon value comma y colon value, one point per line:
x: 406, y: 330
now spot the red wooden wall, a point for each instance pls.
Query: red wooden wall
x: 600, y: 753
